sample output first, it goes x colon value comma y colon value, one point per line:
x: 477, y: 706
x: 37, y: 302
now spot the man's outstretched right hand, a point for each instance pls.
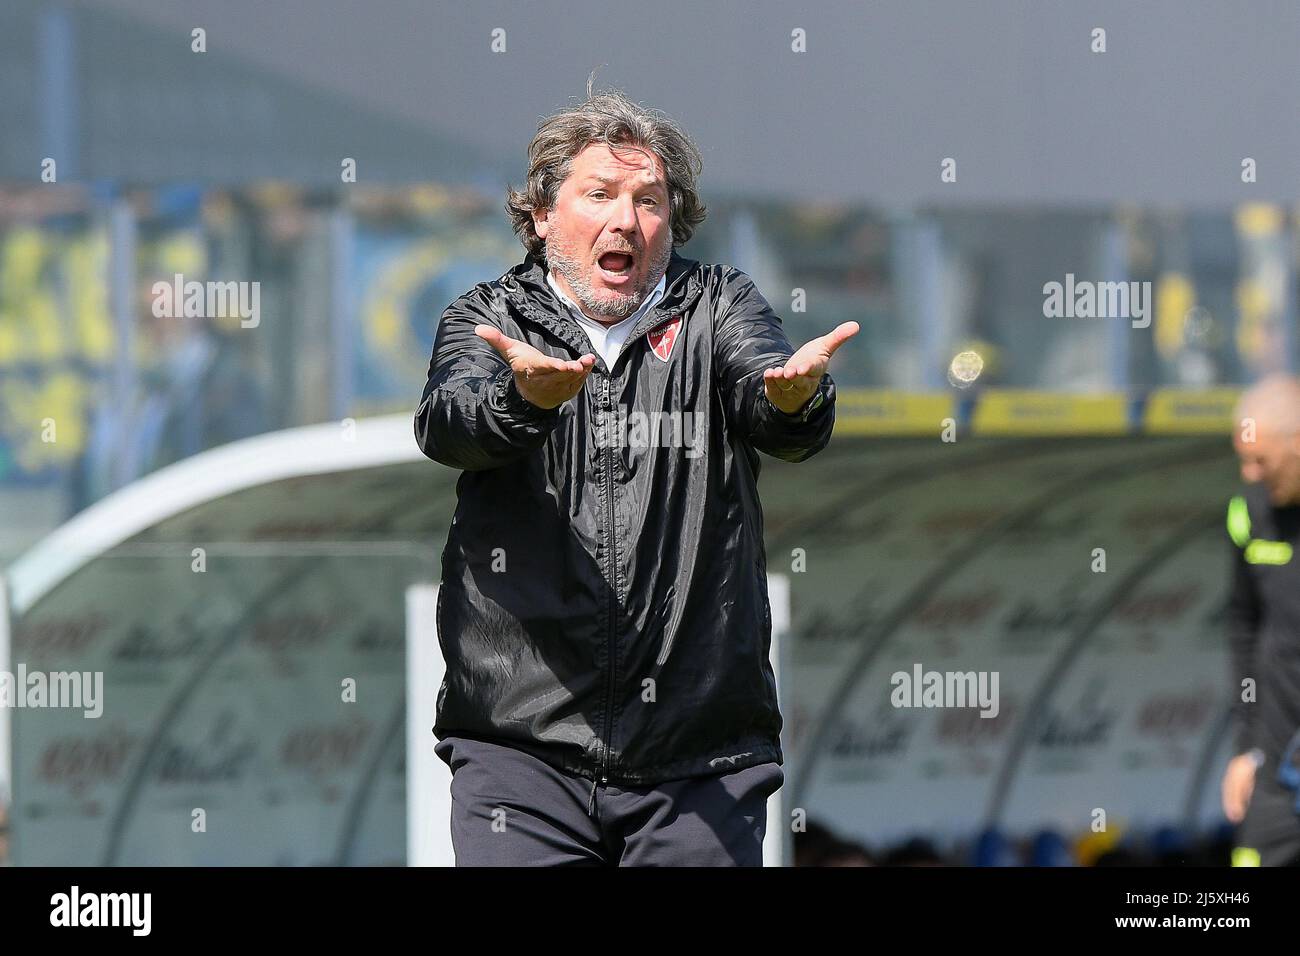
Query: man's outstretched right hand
x: 543, y: 380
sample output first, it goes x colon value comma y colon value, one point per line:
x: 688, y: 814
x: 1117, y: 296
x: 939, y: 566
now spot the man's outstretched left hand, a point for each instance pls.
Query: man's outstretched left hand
x: 789, y: 387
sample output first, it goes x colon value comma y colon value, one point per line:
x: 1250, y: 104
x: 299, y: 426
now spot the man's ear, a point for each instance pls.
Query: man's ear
x: 541, y: 222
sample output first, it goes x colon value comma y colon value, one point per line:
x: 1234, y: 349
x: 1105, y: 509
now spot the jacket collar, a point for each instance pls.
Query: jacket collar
x: 527, y: 290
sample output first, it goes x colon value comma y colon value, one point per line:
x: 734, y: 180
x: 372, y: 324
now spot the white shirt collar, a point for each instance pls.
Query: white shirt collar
x: 651, y: 300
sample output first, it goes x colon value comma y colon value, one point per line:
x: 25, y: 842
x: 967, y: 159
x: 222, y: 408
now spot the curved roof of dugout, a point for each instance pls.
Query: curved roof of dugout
x: 332, y: 449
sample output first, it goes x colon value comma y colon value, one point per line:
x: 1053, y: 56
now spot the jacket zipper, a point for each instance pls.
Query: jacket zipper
x: 613, y: 590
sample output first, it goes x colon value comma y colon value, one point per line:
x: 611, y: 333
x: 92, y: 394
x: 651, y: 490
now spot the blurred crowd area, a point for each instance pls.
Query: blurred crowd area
x: 98, y: 389
x: 818, y: 845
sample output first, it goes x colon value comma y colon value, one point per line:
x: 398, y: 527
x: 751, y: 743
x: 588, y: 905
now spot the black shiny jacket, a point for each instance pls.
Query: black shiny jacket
x: 604, y: 593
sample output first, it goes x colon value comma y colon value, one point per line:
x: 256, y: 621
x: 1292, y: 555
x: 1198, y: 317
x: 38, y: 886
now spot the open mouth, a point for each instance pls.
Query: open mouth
x: 616, y: 265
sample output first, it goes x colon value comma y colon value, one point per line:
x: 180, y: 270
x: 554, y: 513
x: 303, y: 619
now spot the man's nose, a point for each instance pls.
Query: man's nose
x: 622, y: 216
x: 1251, y: 472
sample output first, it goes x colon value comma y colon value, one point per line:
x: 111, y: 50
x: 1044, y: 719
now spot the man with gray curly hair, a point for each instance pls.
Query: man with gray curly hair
x: 603, y: 613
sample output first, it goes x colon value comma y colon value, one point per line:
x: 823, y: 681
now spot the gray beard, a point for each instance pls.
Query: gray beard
x: 622, y: 304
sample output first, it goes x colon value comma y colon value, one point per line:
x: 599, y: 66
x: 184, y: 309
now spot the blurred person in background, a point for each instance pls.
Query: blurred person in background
x: 1259, y: 792
x: 603, y: 611
x: 917, y: 851
x: 816, y: 845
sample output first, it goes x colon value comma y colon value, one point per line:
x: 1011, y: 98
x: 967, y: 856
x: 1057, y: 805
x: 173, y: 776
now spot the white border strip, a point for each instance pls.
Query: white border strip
x: 6, y: 753
x: 778, y: 845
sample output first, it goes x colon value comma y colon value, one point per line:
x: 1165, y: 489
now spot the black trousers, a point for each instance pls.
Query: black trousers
x: 509, y: 808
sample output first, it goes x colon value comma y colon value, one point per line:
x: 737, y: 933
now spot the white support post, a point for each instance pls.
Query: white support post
x: 428, y: 779
x: 778, y: 846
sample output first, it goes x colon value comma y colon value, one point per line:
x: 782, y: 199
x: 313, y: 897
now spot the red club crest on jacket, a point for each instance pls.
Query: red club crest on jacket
x: 661, y: 339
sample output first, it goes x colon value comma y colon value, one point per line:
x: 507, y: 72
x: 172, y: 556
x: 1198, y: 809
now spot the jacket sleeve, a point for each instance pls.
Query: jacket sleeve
x: 748, y: 338
x: 1243, y: 617
x: 471, y: 415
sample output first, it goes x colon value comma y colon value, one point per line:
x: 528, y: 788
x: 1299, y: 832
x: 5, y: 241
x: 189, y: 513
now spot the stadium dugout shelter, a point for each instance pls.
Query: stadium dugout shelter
x: 263, y: 618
